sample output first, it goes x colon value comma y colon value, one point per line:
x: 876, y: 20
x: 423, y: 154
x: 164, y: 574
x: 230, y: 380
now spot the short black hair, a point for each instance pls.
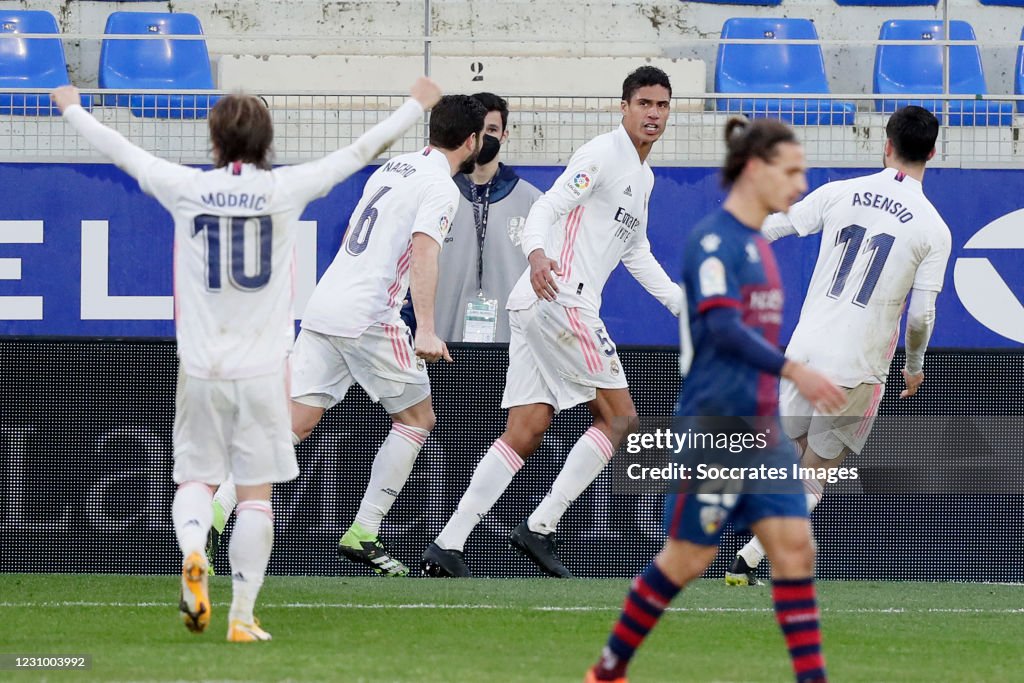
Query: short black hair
x: 746, y: 139
x: 913, y: 131
x: 641, y: 78
x: 494, y: 103
x: 454, y: 119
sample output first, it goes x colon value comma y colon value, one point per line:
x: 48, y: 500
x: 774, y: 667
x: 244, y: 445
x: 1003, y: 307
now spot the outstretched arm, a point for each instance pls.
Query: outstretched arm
x: 316, y: 178
x: 131, y: 159
x: 777, y: 226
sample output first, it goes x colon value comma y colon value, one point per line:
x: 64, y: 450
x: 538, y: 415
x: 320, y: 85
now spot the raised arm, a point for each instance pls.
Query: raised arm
x: 131, y: 159
x: 316, y: 178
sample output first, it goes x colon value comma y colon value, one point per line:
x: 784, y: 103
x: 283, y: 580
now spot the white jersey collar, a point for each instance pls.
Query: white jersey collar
x: 622, y: 137
x: 437, y: 157
x: 901, y: 177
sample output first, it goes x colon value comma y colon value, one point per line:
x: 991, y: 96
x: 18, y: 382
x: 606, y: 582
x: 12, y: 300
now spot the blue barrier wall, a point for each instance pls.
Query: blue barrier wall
x: 75, y: 202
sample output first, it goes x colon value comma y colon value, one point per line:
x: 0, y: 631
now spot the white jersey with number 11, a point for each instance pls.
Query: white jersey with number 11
x: 880, y: 238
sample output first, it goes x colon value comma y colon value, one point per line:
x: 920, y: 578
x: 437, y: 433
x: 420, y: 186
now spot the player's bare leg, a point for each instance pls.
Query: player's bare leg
x: 678, y: 563
x: 789, y: 542
x: 522, y: 436
x: 304, y: 419
x: 614, y: 418
x: 249, y: 550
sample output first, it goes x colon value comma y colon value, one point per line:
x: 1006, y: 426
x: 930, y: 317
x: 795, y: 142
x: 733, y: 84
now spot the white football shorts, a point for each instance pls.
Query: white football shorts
x: 828, y: 435
x: 559, y: 356
x: 242, y: 427
x: 382, y: 360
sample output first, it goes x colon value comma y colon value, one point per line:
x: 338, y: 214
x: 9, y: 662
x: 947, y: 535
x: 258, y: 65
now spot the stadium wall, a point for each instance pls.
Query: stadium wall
x: 98, y: 262
x: 85, y: 472
x: 658, y: 28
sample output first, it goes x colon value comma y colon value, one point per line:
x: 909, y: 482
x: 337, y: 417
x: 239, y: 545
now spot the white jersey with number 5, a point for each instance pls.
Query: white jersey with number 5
x: 367, y: 281
x: 234, y: 239
x: 880, y: 238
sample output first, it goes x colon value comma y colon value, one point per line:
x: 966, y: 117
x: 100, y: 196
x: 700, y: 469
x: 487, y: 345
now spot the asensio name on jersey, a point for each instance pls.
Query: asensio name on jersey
x: 881, y: 237
x: 595, y: 230
x: 367, y: 281
x: 234, y: 242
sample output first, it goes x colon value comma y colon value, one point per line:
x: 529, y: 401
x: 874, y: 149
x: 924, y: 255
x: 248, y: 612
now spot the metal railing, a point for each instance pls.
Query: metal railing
x: 838, y: 130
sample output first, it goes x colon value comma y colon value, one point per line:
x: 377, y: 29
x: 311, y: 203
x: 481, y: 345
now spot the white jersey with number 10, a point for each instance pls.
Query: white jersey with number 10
x: 234, y: 243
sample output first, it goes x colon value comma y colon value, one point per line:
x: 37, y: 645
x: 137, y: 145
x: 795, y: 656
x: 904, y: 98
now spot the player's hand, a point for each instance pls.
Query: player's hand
x: 542, y: 275
x: 823, y: 394
x: 913, y: 383
x: 426, y: 92
x: 430, y: 348
x: 65, y: 96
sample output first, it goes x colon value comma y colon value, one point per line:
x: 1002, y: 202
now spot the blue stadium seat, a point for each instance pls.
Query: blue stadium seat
x: 906, y: 70
x: 157, y: 65
x: 887, y: 3
x: 31, y: 63
x: 1005, y: 3
x: 775, y: 68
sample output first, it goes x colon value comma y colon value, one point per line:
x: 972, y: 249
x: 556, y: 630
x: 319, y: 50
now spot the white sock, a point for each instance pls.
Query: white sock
x: 391, y: 468
x: 585, y: 461
x: 249, y: 550
x: 752, y: 553
x: 225, y: 499
x: 192, y: 514
x: 814, y: 491
x: 492, y: 476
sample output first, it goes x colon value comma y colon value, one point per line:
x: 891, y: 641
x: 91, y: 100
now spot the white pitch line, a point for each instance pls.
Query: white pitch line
x: 543, y: 608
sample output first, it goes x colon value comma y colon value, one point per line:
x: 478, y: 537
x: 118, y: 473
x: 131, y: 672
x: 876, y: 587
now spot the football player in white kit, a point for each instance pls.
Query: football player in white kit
x: 881, y: 240
x: 560, y: 355
x: 352, y: 331
x: 234, y: 238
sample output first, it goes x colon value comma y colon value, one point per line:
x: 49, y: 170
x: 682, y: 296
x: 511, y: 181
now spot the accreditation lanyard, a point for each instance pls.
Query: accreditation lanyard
x: 481, y: 209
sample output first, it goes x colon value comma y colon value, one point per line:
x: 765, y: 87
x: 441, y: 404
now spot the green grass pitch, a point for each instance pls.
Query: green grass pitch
x: 502, y: 631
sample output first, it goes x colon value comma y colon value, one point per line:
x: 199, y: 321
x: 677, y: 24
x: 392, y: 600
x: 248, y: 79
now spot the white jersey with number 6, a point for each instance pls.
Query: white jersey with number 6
x: 234, y: 238
x: 880, y: 238
x: 367, y: 281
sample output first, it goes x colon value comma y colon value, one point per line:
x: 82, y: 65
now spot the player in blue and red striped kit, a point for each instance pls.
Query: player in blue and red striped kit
x: 732, y: 368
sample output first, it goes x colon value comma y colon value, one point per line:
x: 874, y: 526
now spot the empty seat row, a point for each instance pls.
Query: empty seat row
x: 903, y: 73
x: 124, y: 64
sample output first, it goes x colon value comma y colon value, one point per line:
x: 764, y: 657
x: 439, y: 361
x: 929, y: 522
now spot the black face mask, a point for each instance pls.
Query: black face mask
x: 488, y: 150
